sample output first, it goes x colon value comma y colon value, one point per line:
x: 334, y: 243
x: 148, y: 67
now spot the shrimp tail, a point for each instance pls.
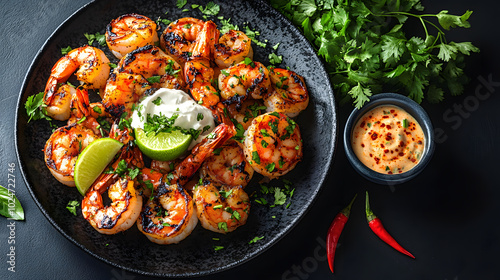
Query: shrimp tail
x: 81, y: 103
x: 187, y: 168
x: 204, y: 46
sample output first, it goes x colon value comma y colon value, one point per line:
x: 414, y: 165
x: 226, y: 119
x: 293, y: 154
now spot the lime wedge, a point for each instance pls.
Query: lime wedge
x: 164, y: 146
x: 92, y: 161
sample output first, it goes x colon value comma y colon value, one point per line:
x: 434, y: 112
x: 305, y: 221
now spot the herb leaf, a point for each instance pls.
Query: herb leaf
x: 71, y: 206
x: 367, y: 52
x: 6, y: 198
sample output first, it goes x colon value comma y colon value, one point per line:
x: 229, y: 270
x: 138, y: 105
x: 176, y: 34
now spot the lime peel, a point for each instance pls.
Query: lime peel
x: 163, y: 146
x: 93, y: 160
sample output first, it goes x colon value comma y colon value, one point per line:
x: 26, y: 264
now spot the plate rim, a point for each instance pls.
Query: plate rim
x: 259, y: 250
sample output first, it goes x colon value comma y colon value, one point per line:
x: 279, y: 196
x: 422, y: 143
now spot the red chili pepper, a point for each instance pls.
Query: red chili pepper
x: 377, y: 227
x: 334, y: 232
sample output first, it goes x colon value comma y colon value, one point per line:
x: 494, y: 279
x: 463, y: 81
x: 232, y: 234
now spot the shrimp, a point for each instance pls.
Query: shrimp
x: 221, y: 210
x: 129, y: 32
x: 179, y: 38
x: 122, y: 189
x: 199, y: 75
x: 233, y: 47
x: 189, y: 165
x: 63, y: 147
x: 245, y: 112
x: 204, y: 45
x: 148, y: 61
x: 123, y: 91
x: 289, y: 95
x: 273, y: 145
x: 59, y: 107
x: 239, y: 81
x: 92, y: 65
x: 120, y: 215
x: 169, y: 216
x: 228, y: 166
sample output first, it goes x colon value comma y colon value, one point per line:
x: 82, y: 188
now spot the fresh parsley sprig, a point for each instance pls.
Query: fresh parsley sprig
x: 367, y: 51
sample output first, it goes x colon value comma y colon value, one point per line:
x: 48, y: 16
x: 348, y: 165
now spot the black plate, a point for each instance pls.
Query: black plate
x: 195, y: 255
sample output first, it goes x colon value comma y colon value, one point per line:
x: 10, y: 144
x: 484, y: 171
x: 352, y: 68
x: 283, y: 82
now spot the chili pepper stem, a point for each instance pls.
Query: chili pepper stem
x: 334, y: 232
x: 347, y: 211
x: 377, y: 227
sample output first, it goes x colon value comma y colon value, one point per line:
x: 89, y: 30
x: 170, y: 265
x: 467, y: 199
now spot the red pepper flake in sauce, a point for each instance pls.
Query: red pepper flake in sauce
x: 385, y: 145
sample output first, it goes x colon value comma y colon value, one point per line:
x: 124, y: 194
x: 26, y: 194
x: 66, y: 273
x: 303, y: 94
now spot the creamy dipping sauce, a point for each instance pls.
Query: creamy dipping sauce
x: 168, y: 102
x: 388, y: 140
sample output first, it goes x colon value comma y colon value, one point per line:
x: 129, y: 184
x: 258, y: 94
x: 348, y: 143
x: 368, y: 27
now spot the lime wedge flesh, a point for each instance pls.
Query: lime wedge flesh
x: 93, y: 160
x: 164, y: 146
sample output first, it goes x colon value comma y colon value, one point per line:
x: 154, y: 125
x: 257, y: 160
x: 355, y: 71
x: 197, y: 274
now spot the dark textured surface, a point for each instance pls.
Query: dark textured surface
x: 447, y: 216
x: 195, y: 255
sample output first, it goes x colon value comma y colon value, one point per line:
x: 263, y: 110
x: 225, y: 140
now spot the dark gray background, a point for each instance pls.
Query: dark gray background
x: 447, y: 217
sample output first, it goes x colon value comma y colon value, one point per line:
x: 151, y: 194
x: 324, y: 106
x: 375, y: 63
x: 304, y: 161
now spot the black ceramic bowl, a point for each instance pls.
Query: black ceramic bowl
x: 413, y: 109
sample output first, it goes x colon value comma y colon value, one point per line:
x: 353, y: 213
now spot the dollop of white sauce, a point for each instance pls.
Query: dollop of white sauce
x: 170, y: 102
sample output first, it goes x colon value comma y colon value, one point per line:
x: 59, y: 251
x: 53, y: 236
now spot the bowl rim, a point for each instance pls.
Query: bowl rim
x: 416, y: 111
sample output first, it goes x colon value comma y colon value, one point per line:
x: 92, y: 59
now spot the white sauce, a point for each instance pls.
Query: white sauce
x: 175, y: 102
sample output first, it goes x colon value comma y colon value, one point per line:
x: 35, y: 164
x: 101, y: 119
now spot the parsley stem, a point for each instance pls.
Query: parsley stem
x: 425, y: 27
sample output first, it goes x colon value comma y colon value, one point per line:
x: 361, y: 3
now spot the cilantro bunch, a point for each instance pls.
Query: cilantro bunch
x: 367, y: 51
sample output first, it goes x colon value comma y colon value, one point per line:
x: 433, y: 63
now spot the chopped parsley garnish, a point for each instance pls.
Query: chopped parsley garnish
x: 270, y: 167
x: 71, y: 206
x: 226, y: 26
x: 100, y: 38
x: 211, y: 9
x: 256, y: 157
x: 255, y: 239
x: 154, y: 79
x: 217, y: 248
x: 66, y: 50
x: 200, y: 117
x: 249, y: 61
x: 222, y: 226
x: 181, y: 3
x: 170, y: 70
x: 275, y: 59
x: 157, y: 101
x: 405, y: 123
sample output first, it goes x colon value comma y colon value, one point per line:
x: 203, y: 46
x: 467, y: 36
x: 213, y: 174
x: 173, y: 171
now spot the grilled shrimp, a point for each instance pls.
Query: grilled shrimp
x: 59, y: 106
x: 289, y: 95
x: 273, y: 145
x: 63, y: 147
x: 199, y: 76
x: 189, y: 165
x: 151, y: 61
x: 120, y: 215
x: 92, y: 66
x: 129, y: 32
x: 239, y: 81
x: 169, y: 217
x: 233, y: 47
x: 221, y: 210
x: 228, y: 166
x: 122, y: 92
x: 245, y: 112
x: 179, y: 38
x: 204, y: 45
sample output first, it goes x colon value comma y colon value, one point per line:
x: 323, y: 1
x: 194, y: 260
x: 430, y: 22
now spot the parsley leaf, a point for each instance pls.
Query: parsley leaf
x: 71, y: 206
x: 181, y: 3
x: 35, y: 108
x: 367, y: 52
